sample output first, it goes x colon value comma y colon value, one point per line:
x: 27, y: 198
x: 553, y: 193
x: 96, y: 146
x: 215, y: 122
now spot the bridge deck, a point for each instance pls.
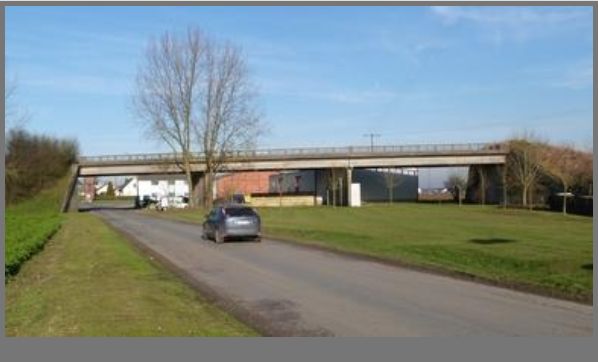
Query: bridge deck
x: 329, y: 153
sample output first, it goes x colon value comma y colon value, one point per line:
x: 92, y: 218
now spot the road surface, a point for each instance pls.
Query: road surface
x: 285, y: 289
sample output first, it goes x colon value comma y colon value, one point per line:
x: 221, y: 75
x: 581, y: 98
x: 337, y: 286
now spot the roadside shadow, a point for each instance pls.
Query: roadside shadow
x: 96, y: 208
x: 490, y: 241
x: 588, y: 266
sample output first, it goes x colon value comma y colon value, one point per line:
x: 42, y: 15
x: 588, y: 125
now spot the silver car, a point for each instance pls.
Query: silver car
x: 232, y: 221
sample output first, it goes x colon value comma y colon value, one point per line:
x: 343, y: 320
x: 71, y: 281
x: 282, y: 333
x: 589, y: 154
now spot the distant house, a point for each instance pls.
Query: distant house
x: 127, y: 189
x: 158, y: 186
x: 102, y: 189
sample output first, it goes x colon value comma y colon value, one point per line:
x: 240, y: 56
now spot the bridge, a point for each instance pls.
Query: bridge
x: 318, y: 158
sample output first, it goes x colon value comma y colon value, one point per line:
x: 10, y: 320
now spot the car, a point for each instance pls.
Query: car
x: 232, y: 221
x: 145, y: 201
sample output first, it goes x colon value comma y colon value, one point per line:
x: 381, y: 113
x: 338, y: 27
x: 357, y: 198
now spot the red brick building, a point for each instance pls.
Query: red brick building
x: 89, y: 188
x: 251, y: 182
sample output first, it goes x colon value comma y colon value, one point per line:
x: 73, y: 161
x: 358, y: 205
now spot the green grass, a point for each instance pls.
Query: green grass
x: 89, y: 281
x: 542, y: 250
x: 29, y: 224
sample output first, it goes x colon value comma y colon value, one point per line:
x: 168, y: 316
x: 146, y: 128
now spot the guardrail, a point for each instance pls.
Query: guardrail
x: 348, y: 151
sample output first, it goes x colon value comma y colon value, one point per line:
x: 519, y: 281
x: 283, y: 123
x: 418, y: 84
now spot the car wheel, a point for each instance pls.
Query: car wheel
x: 257, y: 239
x: 218, y: 238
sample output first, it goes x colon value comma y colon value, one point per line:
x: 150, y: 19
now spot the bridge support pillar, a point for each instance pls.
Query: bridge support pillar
x: 70, y: 200
x: 349, y: 180
x: 485, y: 184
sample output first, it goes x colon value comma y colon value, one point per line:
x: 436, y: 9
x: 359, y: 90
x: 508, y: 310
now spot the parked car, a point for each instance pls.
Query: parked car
x: 179, y: 202
x: 146, y: 201
x: 232, y: 221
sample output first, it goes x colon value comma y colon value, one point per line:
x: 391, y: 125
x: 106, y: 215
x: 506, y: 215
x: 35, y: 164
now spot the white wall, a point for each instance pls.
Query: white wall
x: 162, y: 186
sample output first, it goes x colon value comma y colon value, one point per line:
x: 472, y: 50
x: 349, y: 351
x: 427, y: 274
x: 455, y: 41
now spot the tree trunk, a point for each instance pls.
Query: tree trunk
x: 564, y: 199
x: 192, y: 201
x: 340, y: 191
x: 504, y: 187
x: 524, y: 195
x: 207, y: 190
x: 333, y: 188
x: 482, y: 186
x: 459, y: 195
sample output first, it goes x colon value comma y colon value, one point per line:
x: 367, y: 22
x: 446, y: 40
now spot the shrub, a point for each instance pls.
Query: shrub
x: 35, y: 162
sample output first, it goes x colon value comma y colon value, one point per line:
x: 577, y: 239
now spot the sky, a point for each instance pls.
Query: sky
x: 325, y: 75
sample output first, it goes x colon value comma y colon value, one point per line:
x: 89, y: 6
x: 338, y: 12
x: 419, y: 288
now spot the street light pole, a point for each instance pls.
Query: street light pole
x: 371, y: 136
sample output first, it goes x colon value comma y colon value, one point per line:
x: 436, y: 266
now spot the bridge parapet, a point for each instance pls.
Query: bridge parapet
x: 314, y: 152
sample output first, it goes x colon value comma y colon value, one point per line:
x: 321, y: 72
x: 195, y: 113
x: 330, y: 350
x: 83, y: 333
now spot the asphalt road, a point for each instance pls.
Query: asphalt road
x: 292, y: 290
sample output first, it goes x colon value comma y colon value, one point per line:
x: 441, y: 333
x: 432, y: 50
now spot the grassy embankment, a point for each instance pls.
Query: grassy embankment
x: 546, y: 251
x: 89, y: 281
x: 29, y: 224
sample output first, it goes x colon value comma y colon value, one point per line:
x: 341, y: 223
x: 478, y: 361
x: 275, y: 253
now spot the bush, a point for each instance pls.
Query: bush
x: 35, y: 162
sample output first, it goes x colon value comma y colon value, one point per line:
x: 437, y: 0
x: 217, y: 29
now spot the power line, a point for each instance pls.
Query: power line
x: 371, y: 136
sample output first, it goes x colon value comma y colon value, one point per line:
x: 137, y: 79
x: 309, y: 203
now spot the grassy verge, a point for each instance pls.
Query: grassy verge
x: 30, y: 224
x: 89, y: 281
x: 545, y: 251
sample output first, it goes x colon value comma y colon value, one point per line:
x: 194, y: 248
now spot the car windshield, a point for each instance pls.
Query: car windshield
x: 239, y: 211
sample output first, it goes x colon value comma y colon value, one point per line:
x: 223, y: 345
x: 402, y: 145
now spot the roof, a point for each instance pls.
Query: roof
x: 128, y: 181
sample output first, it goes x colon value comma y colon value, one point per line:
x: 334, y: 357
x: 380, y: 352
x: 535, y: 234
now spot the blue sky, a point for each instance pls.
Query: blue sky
x: 326, y: 75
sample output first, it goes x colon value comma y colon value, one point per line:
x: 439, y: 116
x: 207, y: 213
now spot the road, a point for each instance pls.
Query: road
x: 292, y: 290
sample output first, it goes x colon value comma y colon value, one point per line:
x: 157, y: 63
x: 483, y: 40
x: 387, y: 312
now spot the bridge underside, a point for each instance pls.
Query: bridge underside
x: 124, y: 168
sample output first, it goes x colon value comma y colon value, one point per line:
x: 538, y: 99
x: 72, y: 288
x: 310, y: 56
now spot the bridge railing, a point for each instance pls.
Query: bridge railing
x: 348, y: 151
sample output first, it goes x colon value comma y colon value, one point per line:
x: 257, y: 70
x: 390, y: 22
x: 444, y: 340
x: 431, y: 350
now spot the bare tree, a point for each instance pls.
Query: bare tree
x: 524, y: 165
x: 565, y: 165
x: 14, y: 116
x: 194, y: 92
x: 335, y: 183
x: 483, y: 186
x: 456, y: 183
x: 392, y: 180
x: 228, y: 119
x: 167, y: 92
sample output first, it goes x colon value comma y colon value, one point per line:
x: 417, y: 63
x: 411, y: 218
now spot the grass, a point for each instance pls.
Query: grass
x: 29, y: 224
x: 541, y: 250
x: 89, y: 281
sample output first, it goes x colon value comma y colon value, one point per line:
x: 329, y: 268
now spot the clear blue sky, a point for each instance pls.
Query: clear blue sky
x: 326, y: 75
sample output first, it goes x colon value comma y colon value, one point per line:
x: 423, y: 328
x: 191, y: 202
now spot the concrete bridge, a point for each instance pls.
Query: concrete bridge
x: 321, y: 158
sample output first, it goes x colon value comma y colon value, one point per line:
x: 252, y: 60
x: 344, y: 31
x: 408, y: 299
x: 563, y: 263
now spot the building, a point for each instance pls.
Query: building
x: 128, y: 188
x: 89, y: 188
x: 158, y: 186
x: 322, y: 186
x: 101, y: 189
x: 246, y: 183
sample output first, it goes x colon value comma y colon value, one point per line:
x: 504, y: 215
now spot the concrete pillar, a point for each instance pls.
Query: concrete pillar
x: 315, y: 187
x: 70, y: 199
x: 349, y: 179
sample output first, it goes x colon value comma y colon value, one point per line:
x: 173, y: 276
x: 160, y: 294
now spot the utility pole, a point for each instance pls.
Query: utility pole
x: 371, y: 136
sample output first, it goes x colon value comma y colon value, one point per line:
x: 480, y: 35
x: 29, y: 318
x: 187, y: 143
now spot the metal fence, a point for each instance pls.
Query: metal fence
x: 349, y: 151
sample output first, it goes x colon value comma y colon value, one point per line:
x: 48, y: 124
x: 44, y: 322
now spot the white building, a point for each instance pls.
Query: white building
x: 102, y: 189
x: 158, y: 186
x: 129, y: 188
